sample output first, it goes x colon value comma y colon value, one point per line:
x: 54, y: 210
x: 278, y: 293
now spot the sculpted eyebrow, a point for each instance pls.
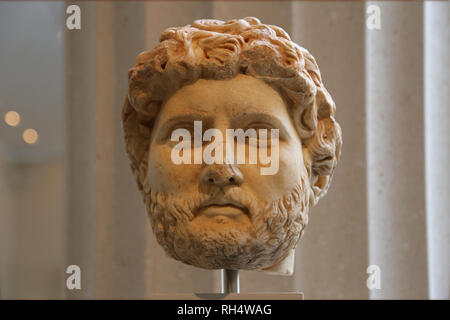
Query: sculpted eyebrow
x: 167, y: 127
x: 261, y: 118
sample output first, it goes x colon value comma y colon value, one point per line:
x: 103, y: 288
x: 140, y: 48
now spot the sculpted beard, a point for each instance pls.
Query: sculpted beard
x: 275, y: 228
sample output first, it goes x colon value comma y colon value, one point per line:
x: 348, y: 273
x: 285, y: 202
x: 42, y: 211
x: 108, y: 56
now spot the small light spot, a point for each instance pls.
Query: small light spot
x: 12, y: 118
x: 30, y: 136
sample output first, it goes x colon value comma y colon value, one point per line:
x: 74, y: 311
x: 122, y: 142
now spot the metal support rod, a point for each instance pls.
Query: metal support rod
x: 230, y: 281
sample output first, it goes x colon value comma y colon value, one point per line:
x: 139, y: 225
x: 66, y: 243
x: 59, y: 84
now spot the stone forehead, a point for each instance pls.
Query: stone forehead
x: 239, y: 94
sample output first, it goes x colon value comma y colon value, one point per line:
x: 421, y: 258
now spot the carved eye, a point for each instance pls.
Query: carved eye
x: 262, y: 130
x: 262, y: 136
x: 189, y: 126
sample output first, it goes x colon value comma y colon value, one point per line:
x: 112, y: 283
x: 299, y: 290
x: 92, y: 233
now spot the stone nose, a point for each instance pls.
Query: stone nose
x: 221, y: 175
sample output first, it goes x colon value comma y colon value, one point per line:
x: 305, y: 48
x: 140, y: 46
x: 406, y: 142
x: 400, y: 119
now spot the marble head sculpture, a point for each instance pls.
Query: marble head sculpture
x: 238, y: 74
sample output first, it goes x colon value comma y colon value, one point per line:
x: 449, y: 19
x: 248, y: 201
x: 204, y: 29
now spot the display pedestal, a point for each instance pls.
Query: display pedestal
x: 230, y: 291
x: 230, y: 296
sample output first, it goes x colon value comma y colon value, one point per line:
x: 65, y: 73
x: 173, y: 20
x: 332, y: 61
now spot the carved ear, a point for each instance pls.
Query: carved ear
x: 324, y: 149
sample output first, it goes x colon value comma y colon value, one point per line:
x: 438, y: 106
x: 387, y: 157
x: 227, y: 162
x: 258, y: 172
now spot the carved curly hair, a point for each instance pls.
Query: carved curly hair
x: 214, y: 49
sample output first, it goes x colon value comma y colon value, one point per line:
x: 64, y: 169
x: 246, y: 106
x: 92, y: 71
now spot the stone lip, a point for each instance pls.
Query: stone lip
x: 222, y: 206
x: 224, y: 209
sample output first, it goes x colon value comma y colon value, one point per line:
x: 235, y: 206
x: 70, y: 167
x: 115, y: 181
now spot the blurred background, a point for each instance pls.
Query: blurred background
x: 67, y: 196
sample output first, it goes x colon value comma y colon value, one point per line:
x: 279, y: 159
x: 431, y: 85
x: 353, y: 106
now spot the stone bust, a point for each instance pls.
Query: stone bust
x: 206, y: 79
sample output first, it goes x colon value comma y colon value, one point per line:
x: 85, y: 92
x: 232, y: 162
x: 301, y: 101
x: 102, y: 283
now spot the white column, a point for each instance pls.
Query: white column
x: 121, y: 237
x: 395, y: 151
x: 106, y: 221
x: 79, y: 175
x: 437, y: 138
x: 332, y: 257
